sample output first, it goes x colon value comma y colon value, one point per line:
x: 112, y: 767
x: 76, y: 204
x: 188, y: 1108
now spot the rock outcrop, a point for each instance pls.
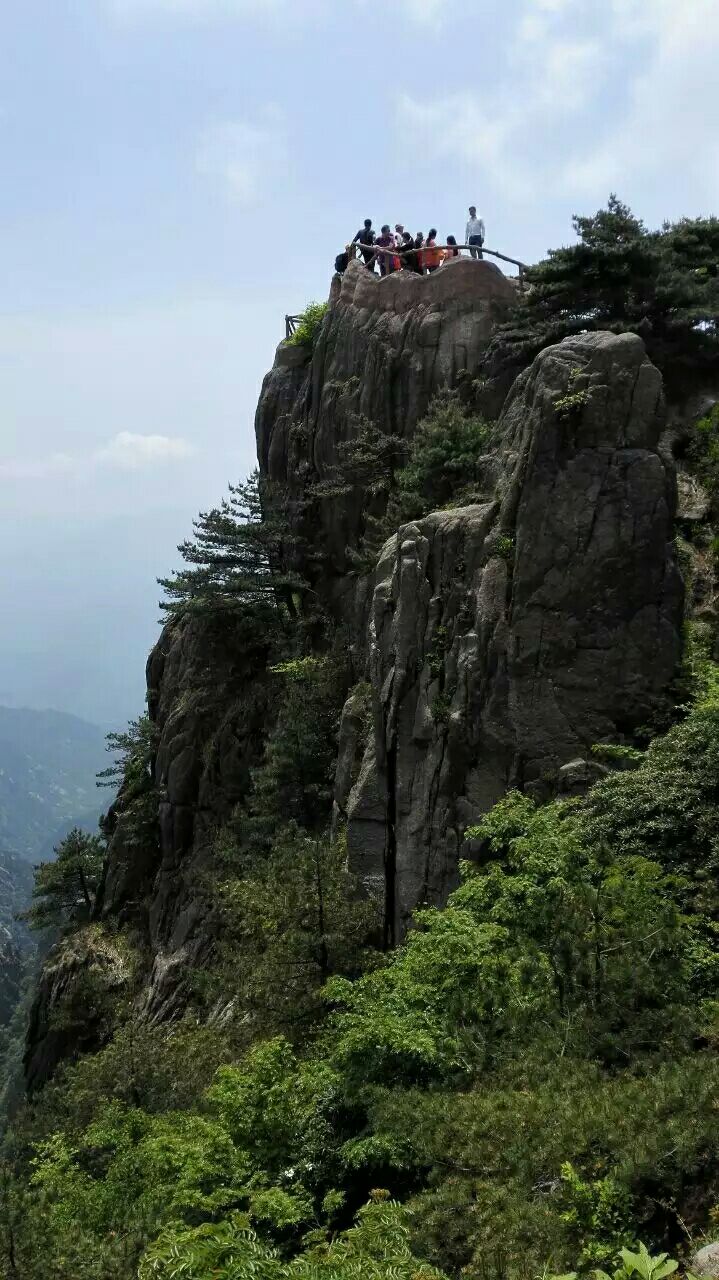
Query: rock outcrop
x: 386, y: 347
x: 81, y: 983
x: 207, y: 701
x: 506, y: 639
x: 491, y: 647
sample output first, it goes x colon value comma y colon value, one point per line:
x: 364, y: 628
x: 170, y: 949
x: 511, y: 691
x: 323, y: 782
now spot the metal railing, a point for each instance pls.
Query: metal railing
x: 401, y: 253
x: 354, y: 249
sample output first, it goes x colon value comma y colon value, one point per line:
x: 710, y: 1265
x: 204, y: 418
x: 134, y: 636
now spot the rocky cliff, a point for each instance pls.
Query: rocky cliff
x: 505, y: 640
x: 500, y: 641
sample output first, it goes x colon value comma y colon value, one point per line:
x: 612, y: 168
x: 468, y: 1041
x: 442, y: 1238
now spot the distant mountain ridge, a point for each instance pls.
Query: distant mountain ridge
x: 48, y: 763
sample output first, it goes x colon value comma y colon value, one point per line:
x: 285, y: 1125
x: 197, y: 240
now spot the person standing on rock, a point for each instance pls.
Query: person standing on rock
x: 432, y: 257
x: 385, y: 241
x: 365, y: 239
x: 474, y: 235
x: 451, y: 251
x: 418, y: 250
x: 407, y: 257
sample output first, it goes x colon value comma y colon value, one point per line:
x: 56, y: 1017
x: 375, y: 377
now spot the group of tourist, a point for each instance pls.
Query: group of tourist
x: 393, y: 250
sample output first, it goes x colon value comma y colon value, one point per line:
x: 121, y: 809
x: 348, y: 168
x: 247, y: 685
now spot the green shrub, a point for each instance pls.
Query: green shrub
x: 704, y: 450
x: 444, y: 460
x: 308, y: 325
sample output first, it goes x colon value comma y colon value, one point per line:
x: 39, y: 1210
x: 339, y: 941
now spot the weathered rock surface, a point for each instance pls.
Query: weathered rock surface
x: 73, y: 1009
x: 705, y: 1261
x: 206, y: 699
x: 505, y: 639
x: 493, y: 644
x: 386, y: 347
x: 693, y: 499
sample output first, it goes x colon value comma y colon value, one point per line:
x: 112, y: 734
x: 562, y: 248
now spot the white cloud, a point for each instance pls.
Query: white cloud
x: 669, y: 133
x: 589, y: 99
x: 125, y: 451
x: 553, y: 67
x: 128, y: 452
x: 459, y: 124
x: 245, y: 155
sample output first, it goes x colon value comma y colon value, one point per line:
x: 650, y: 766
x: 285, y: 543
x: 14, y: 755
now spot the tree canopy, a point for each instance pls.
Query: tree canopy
x: 619, y: 275
x: 65, y: 889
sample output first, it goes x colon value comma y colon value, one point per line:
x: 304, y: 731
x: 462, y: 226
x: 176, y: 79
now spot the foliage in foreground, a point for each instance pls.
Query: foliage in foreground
x: 376, y: 1248
x: 533, y: 1071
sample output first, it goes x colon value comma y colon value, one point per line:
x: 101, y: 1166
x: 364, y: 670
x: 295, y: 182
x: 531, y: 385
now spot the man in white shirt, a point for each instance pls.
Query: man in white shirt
x: 474, y: 235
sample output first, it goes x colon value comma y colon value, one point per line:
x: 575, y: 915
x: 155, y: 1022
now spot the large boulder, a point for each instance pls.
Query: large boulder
x: 506, y: 639
x: 705, y: 1261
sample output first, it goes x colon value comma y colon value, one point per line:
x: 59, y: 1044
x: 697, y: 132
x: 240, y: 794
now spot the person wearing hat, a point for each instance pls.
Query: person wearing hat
x: 474, y: 235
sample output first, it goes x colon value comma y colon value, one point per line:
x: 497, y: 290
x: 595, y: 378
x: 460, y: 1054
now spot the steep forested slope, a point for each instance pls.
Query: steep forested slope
x: 403, y: 959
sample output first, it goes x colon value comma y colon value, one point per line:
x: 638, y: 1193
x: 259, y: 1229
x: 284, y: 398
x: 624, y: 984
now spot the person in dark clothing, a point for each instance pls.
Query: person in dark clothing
x: 407, y: 256
x: 385, y: 241
x: 418, y: 249
x: 342, y: 262
x: 365, y: 238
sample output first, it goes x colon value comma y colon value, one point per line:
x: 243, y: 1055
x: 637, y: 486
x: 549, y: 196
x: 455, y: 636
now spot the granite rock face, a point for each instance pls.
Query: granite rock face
x: 386, y: 347
x: 81, y: 981
x: 506, y: 639
x: 491, y: 647
x: 206, y: 699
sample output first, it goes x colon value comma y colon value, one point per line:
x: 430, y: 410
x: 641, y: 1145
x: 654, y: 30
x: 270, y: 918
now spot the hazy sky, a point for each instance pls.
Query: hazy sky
x: 175, y: 175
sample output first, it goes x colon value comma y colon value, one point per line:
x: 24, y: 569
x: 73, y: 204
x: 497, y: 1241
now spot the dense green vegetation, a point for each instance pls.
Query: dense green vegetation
x: 621, y: 276
x: 528, y: 1084
x: 533, y: 1072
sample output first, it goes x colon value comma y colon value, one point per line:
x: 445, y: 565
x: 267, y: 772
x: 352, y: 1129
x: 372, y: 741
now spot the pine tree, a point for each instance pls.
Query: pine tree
x: 295, y: 780
x: 293, y: 920
x: 65, y: 889
x: 236, y: 558
x: 622, y: 277
x: 134, y: 750
x: 368, y: 463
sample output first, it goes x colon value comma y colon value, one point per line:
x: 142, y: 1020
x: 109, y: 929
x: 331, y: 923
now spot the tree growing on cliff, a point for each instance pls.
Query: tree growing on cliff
x: 367, y: 464
x: 621, y: 276
x: 235, y: 558
x: 65, y: 889
x: 441, y: 465
x: 292, y: 920
x: 133, y: 749
x: 295, y: 780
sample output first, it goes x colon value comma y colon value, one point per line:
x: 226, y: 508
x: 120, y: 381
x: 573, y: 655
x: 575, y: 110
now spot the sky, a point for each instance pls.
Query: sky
x: 176, y: 175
